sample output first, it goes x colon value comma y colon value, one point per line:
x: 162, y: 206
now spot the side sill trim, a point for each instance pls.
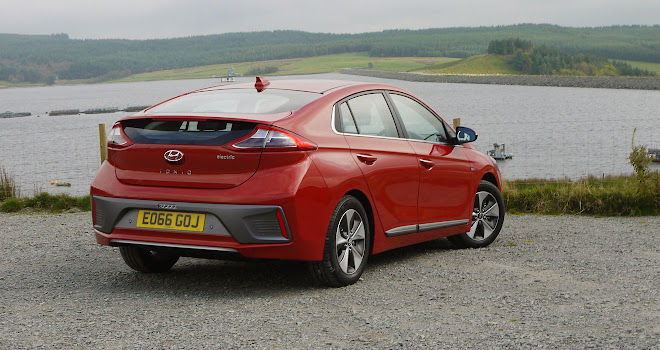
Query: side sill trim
x: 439, y: 225
x: 404, y: 230
x: 168, y: 245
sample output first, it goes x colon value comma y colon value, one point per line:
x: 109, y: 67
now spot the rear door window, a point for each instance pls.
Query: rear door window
x: 372, y: 115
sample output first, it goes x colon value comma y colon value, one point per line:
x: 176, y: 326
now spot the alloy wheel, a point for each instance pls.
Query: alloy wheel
x: 485, y: 216
x: 350, y: 241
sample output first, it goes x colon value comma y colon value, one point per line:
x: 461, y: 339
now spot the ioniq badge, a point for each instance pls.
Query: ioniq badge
x: 174, y: 156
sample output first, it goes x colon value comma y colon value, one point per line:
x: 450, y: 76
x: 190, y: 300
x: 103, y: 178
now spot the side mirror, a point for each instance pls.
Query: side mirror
x: 465, y: 135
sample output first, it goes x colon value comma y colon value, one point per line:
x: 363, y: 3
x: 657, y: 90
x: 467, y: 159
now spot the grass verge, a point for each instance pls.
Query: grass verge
x: 610, y: 196
x: 47, y: 202
x: 11, y: 200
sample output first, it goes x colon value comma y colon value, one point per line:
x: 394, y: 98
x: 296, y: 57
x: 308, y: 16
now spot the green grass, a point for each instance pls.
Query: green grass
x: 611, y: 196
x: 47, y: 202
x: 650, y: 66
x: 11, y: 201
x: 480, y: 64
x: 8, y: 188
x: 310, y: 65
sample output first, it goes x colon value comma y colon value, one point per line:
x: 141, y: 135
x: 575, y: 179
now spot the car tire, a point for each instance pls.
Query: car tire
x: 347, y: 245
x: 148, y: 261
x: 487, y: 218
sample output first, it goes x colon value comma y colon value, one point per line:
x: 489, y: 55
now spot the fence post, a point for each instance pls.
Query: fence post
x: 103, y: 142
x: 457, y: 122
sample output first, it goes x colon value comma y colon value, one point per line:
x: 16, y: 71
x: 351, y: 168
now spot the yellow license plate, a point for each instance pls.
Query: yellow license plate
x: 171, y: 220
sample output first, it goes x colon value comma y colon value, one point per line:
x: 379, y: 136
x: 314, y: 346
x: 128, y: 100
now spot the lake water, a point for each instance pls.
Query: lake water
x: 553, y: 132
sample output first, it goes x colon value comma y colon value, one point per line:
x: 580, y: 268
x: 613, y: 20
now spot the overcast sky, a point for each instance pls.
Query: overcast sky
x: 140, y: 19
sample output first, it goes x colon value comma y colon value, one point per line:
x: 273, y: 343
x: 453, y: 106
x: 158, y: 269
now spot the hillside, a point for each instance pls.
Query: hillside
x: 480, y: 64
x: 309, y: 65
x: 43, y: 58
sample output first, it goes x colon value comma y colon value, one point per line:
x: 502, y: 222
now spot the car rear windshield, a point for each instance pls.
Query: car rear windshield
x: 244, y: 101
x: 185, y: 132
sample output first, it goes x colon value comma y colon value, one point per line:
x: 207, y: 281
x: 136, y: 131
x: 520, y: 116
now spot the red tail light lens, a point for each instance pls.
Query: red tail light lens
x: 116, y: 138
x: 272, y: 139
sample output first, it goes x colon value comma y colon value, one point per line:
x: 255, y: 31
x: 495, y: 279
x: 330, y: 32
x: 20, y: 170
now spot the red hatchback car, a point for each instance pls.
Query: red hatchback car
x: 329, y: 172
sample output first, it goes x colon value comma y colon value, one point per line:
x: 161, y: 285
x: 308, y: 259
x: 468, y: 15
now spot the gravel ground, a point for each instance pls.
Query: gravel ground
x: 546, y: 282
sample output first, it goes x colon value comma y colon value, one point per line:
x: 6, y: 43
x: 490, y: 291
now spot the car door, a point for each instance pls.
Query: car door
x: 445, y: 193
x: 387, y: 161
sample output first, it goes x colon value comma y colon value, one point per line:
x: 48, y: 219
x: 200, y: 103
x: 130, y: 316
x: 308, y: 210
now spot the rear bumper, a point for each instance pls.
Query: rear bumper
x: 247, y: 224
x: 251, y: 231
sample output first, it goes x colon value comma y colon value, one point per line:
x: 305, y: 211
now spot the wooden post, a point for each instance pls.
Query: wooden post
x: 103, y: 142
x: 457, y: 122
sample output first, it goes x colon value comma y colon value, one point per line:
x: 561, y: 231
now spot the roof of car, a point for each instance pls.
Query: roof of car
x: 306, y: 85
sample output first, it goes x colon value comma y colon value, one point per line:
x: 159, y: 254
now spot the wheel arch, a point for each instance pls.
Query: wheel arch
x: 364, y: 200
x: 490, y: 177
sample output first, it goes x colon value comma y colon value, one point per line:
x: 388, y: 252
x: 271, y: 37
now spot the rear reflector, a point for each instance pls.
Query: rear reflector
x: 280, y: 220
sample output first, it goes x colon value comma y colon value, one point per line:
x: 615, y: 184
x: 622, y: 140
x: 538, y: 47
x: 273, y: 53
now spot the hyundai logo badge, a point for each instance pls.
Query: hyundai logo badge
x: 174, y: 156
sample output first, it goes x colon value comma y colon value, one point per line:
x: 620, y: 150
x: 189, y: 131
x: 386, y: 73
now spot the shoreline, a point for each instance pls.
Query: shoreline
x: 630, y: 83
x: 634, y: 83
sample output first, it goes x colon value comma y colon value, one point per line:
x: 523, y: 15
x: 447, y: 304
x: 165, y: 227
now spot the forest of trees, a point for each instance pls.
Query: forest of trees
x: 39, y: 58
x: 548, y: 61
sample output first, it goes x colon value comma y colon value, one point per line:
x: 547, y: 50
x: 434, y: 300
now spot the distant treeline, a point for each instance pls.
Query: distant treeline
x: 548, y: 61
x: 38, y: 58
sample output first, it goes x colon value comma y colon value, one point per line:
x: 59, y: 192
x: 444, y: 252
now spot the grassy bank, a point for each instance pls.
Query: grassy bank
x: 480, y: 64
x: 611, y: 196
x: 295, y: 66
x: 47, y: 202
x: 12, y: 201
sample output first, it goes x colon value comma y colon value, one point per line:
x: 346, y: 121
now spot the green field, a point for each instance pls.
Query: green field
x: 480, y: 64
x: 650, y: 66
x: 310, y: 65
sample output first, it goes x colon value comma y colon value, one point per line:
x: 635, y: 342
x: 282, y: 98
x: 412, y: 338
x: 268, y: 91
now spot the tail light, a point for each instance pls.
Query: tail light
x: 117, y: 138
x: 273, y: 139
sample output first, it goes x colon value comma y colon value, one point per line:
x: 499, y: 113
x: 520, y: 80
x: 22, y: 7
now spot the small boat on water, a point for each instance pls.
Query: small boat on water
x: 654, y: 154
x: 101, y: 110
x: 499, y: 152
x: 60, y: 183
x: 14, y: 114
x: 64, y: 112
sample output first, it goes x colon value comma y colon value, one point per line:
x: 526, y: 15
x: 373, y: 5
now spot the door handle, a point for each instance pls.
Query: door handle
x: 426, y: 164
x: 366, y: 159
